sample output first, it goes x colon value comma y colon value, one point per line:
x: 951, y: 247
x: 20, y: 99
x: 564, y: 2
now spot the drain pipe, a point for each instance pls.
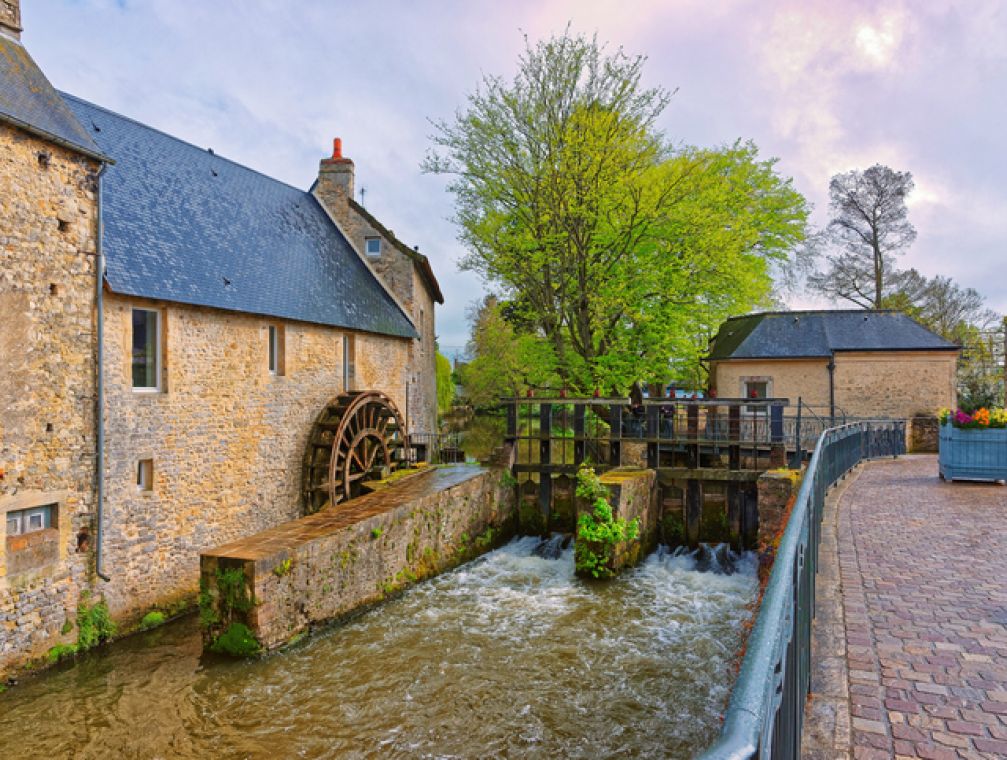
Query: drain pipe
x: 831, y: 366
x: 99, y: 291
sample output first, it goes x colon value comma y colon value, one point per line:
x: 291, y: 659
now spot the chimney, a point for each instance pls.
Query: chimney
x: 10, y: 18
x: 335, y: 183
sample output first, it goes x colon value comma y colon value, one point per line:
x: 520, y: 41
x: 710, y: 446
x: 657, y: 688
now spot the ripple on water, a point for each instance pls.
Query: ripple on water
x: 508, y: 656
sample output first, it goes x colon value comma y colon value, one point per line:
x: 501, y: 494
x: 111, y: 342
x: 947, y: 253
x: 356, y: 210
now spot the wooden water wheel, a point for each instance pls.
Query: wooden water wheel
x: 358, y: 437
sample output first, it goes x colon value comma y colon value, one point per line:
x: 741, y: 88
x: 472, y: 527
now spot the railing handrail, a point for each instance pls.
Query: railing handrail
x: 753, y: 702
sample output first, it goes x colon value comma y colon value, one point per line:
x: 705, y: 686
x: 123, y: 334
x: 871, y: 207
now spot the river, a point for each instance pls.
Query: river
x: 508, y: 656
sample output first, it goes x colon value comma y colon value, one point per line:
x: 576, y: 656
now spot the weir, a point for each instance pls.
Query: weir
x: 710, y: 458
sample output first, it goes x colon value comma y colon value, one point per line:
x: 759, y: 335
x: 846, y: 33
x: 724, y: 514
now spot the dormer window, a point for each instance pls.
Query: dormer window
x: 373, y: 246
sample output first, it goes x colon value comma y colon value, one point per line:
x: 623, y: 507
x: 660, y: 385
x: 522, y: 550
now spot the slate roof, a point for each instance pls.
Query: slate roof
x: 810, y: 334
x: 185, y: 225
x: 421, y: 261
x: 29, y: 101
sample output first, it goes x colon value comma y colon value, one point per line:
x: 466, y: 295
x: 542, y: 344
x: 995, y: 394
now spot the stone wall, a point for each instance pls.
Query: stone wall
x: 867, y: 384
x: 48, y: 213
x: 897, y: 385
x: 632, y: 494
x: 400, y: 275
x: 342, y: 559
x: 791, y: 378
x: 923, y: 434
x: 226, y: 437
x: 777, y: 493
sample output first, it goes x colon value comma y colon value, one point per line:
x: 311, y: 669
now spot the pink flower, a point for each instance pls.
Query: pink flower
x: 961, y: 418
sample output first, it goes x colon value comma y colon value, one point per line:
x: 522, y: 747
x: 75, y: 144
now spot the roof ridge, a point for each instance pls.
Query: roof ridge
x: 176, y: 138
x: 806, y: 312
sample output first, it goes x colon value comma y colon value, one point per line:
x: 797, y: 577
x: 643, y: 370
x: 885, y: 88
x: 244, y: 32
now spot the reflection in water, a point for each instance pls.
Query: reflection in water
x: 509, y: 656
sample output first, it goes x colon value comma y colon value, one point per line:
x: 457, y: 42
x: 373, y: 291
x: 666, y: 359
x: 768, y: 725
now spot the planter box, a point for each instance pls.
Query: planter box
x: 973, y: 454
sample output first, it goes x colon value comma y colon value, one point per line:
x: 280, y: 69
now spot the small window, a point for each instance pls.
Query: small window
x: 276, y: 349
x: 29, y: 520
x: 145, y: 475
x: 373, y: 246
x: 349, y: 362
x: 146, y: 360
x: 755, y: 388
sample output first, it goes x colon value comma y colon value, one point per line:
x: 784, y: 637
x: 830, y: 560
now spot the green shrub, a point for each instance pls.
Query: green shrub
x: 598, y: 531
x: 60, y: 651
x: 152, y: 619
x: 94, y: 625
x: 237, y: 641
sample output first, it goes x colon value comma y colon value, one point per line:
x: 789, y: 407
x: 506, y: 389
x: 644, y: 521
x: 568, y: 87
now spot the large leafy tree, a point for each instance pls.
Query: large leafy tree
x: 613, y: 249
x: 869, y: 228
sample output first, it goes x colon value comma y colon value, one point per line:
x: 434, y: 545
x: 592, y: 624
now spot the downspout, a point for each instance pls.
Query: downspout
x: 100, y: 412
x: 831, y: 366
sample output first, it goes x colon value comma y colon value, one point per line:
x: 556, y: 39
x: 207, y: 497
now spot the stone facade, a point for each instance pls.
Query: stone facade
x: 400, y: 271
x: 225, y: 436
x: 337, y: 561
x: 884, y: 384
x: 47, y: 383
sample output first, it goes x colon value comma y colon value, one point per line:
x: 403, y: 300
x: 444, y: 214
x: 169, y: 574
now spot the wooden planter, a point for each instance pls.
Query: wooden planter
x: 973, y: 454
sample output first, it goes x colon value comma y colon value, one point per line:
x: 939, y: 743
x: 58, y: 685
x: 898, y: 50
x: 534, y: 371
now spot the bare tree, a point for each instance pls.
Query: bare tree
x: 869, y: 227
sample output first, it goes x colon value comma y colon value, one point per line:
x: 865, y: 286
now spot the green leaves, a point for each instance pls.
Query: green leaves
x: 617, y: 251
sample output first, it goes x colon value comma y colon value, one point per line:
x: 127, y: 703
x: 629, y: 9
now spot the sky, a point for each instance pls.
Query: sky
x: 825, y: 87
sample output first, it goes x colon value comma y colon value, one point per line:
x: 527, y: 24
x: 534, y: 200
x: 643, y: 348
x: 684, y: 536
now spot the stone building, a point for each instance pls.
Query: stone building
x: 164, y: 406
x: 857, y: 363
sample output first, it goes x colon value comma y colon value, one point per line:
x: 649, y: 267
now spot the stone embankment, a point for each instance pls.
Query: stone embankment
x: 282, y: 581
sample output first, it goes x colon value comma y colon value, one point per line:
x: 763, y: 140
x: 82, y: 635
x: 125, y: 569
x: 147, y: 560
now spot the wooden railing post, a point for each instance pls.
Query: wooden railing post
x: 545, y: 460
x: 615, y: 436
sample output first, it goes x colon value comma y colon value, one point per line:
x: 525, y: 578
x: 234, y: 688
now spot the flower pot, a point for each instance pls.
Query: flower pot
x: 972, y: 454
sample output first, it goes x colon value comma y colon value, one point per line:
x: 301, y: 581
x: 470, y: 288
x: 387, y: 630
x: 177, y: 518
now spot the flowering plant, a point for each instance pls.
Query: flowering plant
x: 979, y: 419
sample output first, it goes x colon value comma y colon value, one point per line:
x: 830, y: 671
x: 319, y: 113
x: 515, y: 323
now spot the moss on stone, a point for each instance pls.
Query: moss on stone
x: 237, y: 641
x: 152, y: 619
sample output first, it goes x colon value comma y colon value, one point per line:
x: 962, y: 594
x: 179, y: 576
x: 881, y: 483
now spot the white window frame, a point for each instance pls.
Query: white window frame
x: 349, y: 367
x: 745, y: 380
x: 25, y: 517
x: 158, y: 363
x: 367, y: 246
x: 145, y: 475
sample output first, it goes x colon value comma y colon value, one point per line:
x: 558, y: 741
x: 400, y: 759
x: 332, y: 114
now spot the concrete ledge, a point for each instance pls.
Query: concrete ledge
x: 342, y: 559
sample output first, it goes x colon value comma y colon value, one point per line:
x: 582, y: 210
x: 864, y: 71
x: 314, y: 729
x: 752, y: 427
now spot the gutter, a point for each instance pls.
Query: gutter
x: 100, y: 411
x: 831, y: 367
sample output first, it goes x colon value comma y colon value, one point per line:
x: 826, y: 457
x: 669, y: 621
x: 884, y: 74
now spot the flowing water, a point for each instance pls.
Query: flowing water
x: 508, y: 656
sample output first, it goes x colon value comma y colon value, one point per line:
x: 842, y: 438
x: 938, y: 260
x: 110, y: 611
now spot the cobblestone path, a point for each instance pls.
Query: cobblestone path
x: 910, y: 640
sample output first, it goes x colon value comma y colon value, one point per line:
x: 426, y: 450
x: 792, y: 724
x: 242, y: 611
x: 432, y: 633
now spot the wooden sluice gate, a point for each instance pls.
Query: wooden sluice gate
x: 709, y: 455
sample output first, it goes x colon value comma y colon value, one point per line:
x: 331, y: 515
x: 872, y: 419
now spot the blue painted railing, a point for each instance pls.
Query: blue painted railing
x: 766, y: 713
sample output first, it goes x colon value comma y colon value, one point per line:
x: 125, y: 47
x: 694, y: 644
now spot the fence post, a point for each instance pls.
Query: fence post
x: 545, y: 460
x: 777, y: 445
x: 615, y: 435
x: 653, y: 435
x: 579, y: 431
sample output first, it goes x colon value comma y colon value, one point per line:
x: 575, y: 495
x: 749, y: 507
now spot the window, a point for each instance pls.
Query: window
x: 146, y: 359
x: 373, y: 246
x: 276, y: 349
x: 29, y: 520
x: 756, y: 387
x: 349, y: 362
x: 145, y: 475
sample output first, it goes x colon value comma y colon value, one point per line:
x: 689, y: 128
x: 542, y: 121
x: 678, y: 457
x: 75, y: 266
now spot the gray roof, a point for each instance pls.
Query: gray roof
x: 808, y: 334
x: 28, y: 101
x: 185, y: 225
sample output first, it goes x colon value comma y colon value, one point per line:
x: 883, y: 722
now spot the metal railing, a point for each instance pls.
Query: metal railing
x: 765, y: 715
x: 436, y: 448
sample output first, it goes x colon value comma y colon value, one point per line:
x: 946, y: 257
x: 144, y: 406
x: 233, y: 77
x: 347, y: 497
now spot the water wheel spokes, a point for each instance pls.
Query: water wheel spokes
x: 358, y: 437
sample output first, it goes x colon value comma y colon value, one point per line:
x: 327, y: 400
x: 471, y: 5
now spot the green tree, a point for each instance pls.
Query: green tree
x: 615, y: 250
x: 445, y: 384
x: 502, y: 361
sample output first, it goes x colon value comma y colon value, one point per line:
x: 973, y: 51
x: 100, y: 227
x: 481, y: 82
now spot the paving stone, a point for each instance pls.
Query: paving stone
x: 913, y: 574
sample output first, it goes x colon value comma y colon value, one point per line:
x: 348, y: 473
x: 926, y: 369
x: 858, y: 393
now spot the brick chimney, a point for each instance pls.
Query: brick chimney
x: 10, y: 18
x: 335, y: 184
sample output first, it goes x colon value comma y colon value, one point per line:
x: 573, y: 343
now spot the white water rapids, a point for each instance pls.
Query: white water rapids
x: 508, y: 656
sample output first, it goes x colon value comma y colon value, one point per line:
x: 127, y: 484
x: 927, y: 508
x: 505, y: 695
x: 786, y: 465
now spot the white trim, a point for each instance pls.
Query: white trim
x: 158, y: 357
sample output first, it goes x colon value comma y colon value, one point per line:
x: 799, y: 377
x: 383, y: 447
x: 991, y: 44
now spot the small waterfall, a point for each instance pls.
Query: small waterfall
x: 554, y: 546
